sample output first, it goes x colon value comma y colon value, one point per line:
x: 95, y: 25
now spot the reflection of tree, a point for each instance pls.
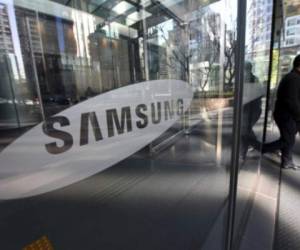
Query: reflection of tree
x: 229, y: 69
x: 198, y: 44
x: 177, y: 46
x: 179, y: 54
x: 211, y: 41
x: 210, y: 51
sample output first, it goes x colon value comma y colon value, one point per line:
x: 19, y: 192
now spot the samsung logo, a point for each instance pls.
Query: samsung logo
x: 116, y: 122
x: 90, y: 137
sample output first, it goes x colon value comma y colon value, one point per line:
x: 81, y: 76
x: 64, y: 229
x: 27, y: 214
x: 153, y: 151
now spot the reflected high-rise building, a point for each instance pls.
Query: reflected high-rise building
x: 290, y: 37
x: 292, y: 23
x: 30, y: 44
x: 45, y: 42
x: 291, y: 8
x: 111, y: 57
x: 205, y: 48
x: 292, y: 31
x: 6, y: 42
x: 123, y: 129
x: 259, y: 36
x: 260, y: 25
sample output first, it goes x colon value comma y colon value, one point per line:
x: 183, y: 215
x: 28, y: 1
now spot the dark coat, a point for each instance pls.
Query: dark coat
x: 288, y: 96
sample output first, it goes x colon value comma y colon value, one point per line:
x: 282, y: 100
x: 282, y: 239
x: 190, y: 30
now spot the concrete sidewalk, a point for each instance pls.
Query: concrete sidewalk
x: 287, y: 233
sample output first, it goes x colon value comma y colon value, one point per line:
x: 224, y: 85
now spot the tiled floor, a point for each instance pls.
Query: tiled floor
x: 288, y: 221
x: 259, y: 230
x: 174, y: 200
x: 169, y: 201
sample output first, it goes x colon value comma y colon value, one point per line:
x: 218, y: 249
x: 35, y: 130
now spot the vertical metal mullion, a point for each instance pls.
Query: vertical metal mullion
x: 268, y: 95
x: 11, y: 81
x: 145, y: 38
x: 42, y: 50
x: 221, y: 87
x: 146, y: 64
x: 37, y: 84
x: 237, y: 119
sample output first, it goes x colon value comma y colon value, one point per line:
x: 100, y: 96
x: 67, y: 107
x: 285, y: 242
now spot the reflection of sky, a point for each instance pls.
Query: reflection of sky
x: 15, y: 37
x: 84, y: 25
x: 227, y: 10
x: 60, y: 32
x: 166, y: 27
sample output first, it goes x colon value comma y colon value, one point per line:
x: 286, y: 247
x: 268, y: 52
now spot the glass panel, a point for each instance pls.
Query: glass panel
x: 286, y: 48
x: 258, y: 38
x: 116, y: 123
x: 289, y: 45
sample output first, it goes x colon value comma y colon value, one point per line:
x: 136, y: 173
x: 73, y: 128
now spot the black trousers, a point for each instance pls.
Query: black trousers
x: 288, y: 130
x: 251, y: 114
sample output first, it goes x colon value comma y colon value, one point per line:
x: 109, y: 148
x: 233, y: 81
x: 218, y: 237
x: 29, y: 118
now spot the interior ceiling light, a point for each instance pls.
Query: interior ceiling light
x: 137, y: 16
x: 98, y: 1
x: 122, y: 7
x: 114, y: 29
x: 145, y: 3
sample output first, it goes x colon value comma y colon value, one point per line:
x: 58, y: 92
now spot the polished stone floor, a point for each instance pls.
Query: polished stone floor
x: 287, y: 234
x: 167, y: 201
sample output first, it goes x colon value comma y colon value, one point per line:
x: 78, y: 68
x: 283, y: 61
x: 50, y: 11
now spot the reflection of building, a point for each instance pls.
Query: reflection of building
x: 259, y: 36
x: 292, y: 31
x: 204, y: 49
x: 29, y: 41
x: 66, y: 53
x: 49, y: 41
x: 111, y: 57
x: 291, y: 7
x: 260, y: 14
x: 179, y: 58
x: 167, y: 52
x: 6, y: 43
x: 290, y: 39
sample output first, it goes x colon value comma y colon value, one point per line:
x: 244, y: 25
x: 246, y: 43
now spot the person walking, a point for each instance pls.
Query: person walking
x: 253, y: 93
x: 287, y: 116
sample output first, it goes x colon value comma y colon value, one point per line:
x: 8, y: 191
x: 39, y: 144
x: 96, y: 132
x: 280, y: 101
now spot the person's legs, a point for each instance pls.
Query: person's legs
x: 288, y: 129
x: 251, y: 115
x: 255, y: 115
x: 245, y: 131
x: 273, y: 146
